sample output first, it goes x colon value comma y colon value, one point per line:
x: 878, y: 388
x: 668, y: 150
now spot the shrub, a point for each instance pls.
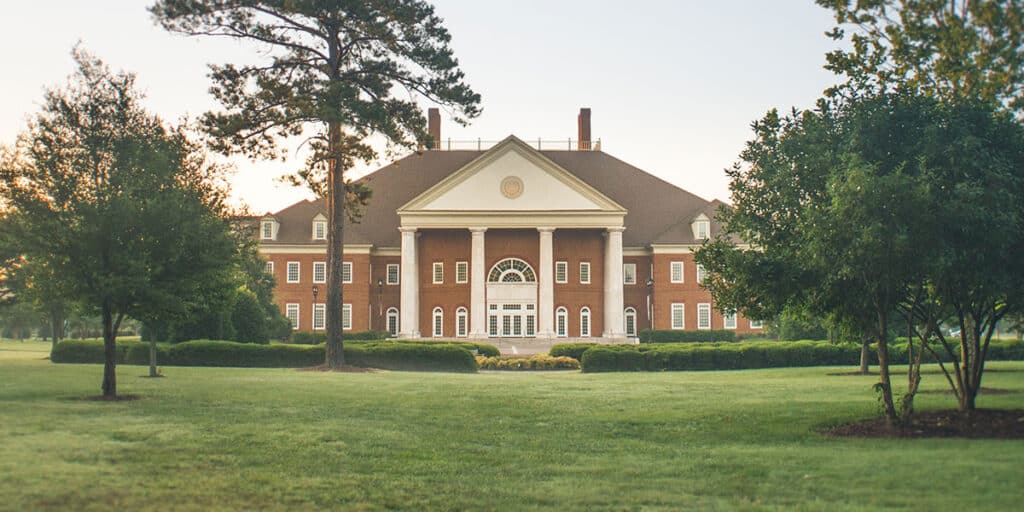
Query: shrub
x: 535, y: 362
x: 138, y: 353
x: 316, y: 338
x: 443, y: 357
x: 482, y: 349
x: 248, y: 355
x: 674, y: 336
x: 248, y: 319
x: 86, y: 351
x: 573, y: 350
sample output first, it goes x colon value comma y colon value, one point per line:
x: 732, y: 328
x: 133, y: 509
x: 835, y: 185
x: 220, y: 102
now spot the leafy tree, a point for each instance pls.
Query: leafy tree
x: 953, y: 49
x: 832, y: 206
x: 119, y: 207
x: 334, y: 69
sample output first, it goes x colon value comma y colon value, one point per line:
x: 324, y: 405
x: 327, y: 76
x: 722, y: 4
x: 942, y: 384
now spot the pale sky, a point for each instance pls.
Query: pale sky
x: 673, y: 85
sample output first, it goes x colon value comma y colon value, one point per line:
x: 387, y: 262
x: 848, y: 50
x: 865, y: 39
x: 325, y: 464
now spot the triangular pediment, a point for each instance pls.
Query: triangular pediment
x: 512, y: 177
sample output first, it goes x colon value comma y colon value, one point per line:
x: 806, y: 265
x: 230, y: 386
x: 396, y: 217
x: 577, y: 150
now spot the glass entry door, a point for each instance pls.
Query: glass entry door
x: 512, y: 320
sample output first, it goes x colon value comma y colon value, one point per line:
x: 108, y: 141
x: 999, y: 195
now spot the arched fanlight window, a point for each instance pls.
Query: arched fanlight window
x: 585, y: 322
x: 512, y: 270
x: 393, y: 321
x: 438, y: 322
x: 629, y: 318
x: 561, y: 322
x: 461, y: 321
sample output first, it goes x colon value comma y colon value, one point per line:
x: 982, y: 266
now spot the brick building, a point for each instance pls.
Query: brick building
x: 508, y: 241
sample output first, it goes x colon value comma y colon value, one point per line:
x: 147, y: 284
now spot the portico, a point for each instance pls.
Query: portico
x: 514, y: 188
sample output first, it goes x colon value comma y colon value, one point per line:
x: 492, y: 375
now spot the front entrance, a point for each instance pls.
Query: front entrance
x: 512, y: 300
x: 512, y: 320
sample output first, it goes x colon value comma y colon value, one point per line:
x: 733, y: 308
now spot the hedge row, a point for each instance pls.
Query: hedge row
x: 535, y: 362
x: 677, y: 336
x: 748, y: 355
x: 385, y: 355
x: 573, y: 350
x: 316, y: 338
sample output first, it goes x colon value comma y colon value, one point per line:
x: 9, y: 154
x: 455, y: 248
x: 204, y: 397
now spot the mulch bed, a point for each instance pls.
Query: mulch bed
x: 343, y: 369
x: 856, y: 373
x: 983, y: 424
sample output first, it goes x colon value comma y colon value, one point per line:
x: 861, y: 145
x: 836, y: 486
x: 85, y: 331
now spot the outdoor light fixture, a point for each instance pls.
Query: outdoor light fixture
x: 316, y: 291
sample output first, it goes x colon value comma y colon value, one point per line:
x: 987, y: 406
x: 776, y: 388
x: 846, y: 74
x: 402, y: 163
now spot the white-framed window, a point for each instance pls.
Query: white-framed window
x: 461, y: 322
x: 678, y: 316
x: 756, y: 324
x: 461, y: 272
x: 438, y: 272
x: 701, y: 273
x: 319, y: 317
x: 585, y: 322
x: 561, y: 322
x: 704, y: 316
x: 676, y: 274
x: 319, y: 272
x: 729, y: 320
x: 629, y: 273
x: 561, y: 272
x: 629, y: 319
x: 703, y: 229
x: 319, y: 230
x: 392, y: 273
x: 393, y: 321
x: 584, y: 272
x: 346, y: 317
x: 438, y: 322
x: 267, y: 230
x: 492, y: 320
x: 292, y: 312
x: 346, y: 272
x: 293, y: 271
x: 269, y: 268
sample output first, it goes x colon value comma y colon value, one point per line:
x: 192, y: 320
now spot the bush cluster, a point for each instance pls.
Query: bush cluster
x: 316, y: 338
x: 387, y: 355
x: 748, y: 355
x: 573, y: 350
x: 674, y: 336
x: 536, y: 362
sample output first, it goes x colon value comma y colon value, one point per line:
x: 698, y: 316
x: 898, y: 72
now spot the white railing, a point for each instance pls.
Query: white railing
x: 539, y: 144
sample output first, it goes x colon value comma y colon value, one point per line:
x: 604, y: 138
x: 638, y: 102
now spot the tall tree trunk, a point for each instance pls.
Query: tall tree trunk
x: 152, y: 357
x: 884, y: 380
x: 335, y: 357
x: 109, y: 351
x: 865, y: 356
x: 56, y: 326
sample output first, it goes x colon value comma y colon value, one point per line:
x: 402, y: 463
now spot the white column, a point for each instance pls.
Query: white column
x: 410, y: 284
x: 546, y: 286
x: 478, y: 286
x: 613, y: 302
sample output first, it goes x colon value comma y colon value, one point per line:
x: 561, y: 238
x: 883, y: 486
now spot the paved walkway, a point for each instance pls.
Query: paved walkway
x: 530, y: 346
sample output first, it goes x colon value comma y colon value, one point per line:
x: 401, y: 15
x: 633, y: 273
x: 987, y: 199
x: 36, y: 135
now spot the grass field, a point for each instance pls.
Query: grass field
x: 209, y: 439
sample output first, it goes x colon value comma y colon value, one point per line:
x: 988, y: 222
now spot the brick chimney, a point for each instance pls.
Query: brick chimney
x: 583, y: 122
x: 434, y: 128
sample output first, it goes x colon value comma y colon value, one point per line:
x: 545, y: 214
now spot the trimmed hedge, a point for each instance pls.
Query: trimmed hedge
x: 676, y: 336
x: 386, y: 355
x: 532, y: 363
x: 748, y: 355
x: 573, y: 350
x: 316, y: 338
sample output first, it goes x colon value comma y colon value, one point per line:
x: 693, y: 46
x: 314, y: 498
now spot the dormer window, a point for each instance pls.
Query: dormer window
x: 320, y: 228
x: 702, y: 227
x: 268, y: 229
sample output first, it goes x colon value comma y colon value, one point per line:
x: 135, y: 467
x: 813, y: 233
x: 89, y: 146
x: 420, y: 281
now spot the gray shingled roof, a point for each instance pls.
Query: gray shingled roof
x: 658, y: 212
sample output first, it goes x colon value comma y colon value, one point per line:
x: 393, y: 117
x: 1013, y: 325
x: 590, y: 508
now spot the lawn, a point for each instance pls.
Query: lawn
x: 209, y: 438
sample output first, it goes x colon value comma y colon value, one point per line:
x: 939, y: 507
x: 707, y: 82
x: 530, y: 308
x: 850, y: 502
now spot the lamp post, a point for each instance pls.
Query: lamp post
x: 312, y: 319
x: 380, y: 304
x: 650, y: 303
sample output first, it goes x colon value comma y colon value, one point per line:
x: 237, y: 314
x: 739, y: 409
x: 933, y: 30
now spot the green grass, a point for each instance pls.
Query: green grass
x: 209, y: 438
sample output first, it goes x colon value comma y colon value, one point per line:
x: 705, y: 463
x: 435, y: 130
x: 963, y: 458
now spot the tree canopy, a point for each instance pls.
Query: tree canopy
x: 336, y: 73
x: 122, y: 210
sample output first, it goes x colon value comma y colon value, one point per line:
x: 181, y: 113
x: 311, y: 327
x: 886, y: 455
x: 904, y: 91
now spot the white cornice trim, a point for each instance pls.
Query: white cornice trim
x: 684, y: 248
x: 312, y: 249
x: 506, y: 219
x: 510, y: 144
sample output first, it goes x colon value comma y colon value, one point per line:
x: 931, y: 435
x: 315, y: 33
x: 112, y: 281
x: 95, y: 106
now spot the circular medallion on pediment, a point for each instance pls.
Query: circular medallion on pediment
x: 512, y: 187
